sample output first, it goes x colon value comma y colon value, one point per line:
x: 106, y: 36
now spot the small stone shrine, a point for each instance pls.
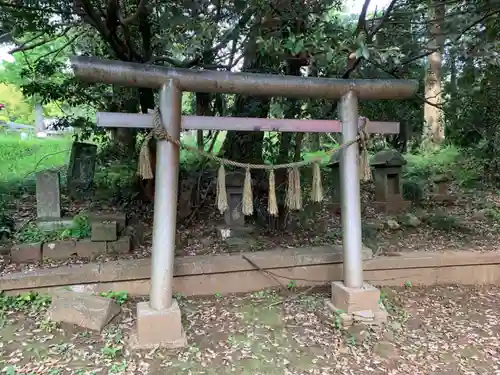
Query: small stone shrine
x: 234, y: 188
x: 441, y: 185
x: 81, y: 169
x: 234, y: 220
x: 387, y: 172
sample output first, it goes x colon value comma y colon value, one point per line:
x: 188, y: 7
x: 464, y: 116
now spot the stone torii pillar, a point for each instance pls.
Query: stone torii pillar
x: 159, y: 321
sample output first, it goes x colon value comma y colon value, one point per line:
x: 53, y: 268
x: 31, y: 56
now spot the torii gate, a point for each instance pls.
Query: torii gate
x: 159, y: 321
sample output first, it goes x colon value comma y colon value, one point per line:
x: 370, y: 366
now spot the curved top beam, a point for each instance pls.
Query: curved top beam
x: 116, y: 72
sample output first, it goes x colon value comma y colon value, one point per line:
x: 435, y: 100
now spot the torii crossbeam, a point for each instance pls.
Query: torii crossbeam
x: 158, y: 322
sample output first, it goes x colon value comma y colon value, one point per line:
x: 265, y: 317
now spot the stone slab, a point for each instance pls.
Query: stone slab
x: 104, y: 231
x: 82, y: 309
x: 353, y: 300
x: 443, y: 198
x: 26, y: 253
x: 392, y: 207
x: 158, y: 327
x: 49, y: 225
x: 48, y: 194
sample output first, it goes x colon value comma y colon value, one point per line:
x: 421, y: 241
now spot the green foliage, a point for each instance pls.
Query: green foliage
x: 414, y: 190
x: 473, y: 121
x: 79, y: 229
x: 27, y: 302
x: 444, y: 222
x: 119, y: 297
x: 17, y: 108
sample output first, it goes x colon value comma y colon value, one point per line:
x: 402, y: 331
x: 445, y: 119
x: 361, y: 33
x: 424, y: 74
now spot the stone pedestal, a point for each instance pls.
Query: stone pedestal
x: 357, y: 305
x: 158, y: 327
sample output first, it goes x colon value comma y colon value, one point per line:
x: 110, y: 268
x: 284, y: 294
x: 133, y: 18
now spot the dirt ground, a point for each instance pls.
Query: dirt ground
x: 437, y: 330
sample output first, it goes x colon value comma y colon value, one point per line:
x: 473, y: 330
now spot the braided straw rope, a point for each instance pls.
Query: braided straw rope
x: 293, y: 200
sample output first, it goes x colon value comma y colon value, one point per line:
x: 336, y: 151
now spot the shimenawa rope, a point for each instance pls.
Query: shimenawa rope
x: 293, y: 194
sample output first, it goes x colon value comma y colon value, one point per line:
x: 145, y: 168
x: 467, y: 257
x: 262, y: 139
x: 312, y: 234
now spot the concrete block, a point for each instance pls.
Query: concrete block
x: 26, y: 253
x: 352, y: 300
x: 60, y: 250
x: 82, y: 309
x: 158, y: 327
x: 119, y: 217
x: 104, y: 231
x: 121, y: 246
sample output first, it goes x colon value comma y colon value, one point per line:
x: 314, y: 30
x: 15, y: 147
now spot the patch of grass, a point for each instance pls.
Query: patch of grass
x: 119, y: 297
x: 26, y: 302
x: 20, y: 157
x: 492, y: 213
x: 445, y: 222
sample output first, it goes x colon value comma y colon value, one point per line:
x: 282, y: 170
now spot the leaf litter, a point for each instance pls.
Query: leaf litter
x: 433, y: 330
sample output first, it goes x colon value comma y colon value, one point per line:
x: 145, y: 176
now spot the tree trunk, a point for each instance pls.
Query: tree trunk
x: 247, y: 146
x: 433, y: 132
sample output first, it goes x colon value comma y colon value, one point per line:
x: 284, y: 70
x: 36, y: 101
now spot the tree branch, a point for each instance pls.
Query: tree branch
x: 25, y: 47
x: 383, y: 18
x: 141, y: 8
x: 362, y: 18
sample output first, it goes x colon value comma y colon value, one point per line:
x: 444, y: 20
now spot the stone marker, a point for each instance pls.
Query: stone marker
x: 387, y: 172
x: 48, y: 195
x: 84, y: 310
x: 81, y: 169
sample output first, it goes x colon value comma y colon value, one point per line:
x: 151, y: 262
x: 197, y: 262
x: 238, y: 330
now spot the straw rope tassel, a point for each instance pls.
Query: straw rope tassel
x: 144, y: 168
x: 317, y: 186
x: 247, y: 208
x: 294, y: 196
x: 221, y: 189
x: 272, y: 205
x: 365, y: 173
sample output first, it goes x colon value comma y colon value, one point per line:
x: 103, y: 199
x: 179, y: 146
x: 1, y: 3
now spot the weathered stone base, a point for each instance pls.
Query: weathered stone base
x: 49, y: 225
x: 357, y: 305
x: 443, y: 198
x: 392, y: 207
x: 158, y: 328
